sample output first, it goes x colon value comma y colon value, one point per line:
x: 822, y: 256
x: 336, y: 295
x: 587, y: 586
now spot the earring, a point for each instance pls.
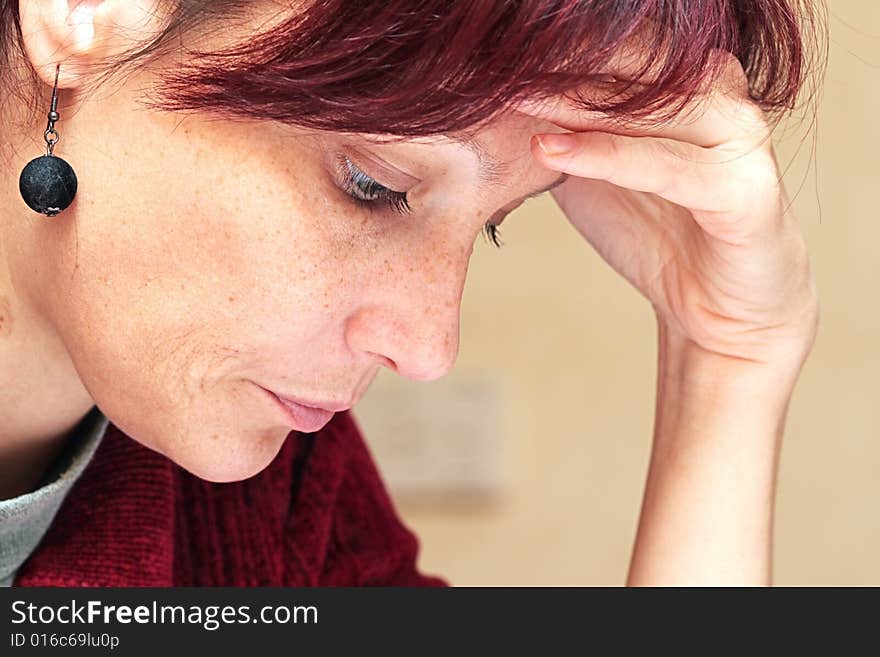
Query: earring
x: 48, y: 183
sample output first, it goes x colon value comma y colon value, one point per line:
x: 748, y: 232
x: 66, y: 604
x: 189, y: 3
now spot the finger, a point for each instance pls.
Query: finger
x: 638, y: 64
x: 697, y: 126
x: 696, y: 178
x: 726, y: 114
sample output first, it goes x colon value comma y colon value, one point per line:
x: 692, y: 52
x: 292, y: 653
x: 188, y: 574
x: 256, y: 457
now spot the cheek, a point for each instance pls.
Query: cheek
x: 162, y: 334
x: 166, y: 308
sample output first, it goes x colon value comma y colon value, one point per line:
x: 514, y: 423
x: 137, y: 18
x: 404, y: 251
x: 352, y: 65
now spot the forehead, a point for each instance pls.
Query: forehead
x: 500, y: 149
x: 493, y: 169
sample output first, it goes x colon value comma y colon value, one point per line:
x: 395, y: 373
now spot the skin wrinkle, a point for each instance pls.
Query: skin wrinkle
x: 6, y: 317
x: 492, y: 170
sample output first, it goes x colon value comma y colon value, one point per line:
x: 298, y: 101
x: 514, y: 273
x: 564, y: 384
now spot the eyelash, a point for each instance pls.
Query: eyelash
x: 366, y: 192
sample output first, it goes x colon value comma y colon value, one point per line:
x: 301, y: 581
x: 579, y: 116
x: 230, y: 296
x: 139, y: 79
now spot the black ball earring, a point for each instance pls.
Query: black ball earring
x: 48, y: 183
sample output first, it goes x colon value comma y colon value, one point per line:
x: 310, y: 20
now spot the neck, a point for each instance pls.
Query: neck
x: 41, y: 395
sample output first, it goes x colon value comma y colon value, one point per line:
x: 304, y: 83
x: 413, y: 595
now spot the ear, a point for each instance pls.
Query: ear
x: 76, y: 33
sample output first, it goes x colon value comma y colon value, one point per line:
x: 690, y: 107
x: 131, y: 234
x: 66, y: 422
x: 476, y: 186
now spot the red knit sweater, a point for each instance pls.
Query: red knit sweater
x: 318, y: 515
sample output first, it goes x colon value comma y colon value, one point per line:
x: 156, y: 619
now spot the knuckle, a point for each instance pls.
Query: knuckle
x: 674, y: 167
x: 748, y: 120
x: 761, y: 172
x: 731, y: 73
x: 750, y: 181
x: 736, y: 75
x: 608, y: 149
x: 753, y: 117
x: 606, y: 143
x: 732, y: 191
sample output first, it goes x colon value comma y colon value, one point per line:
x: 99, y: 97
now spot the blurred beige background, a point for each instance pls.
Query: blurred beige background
x: 525, y: 465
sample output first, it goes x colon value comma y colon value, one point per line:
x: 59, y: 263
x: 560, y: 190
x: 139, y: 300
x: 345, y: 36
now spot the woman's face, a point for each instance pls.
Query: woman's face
x: 206, y: 262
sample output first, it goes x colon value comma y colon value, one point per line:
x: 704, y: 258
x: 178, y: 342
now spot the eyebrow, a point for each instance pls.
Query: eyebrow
x: 493, y: 170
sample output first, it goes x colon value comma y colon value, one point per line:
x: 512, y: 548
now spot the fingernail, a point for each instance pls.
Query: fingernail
x: 556, y: 144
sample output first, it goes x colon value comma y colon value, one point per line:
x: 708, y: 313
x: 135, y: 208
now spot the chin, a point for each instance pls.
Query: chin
x: 232, y: 458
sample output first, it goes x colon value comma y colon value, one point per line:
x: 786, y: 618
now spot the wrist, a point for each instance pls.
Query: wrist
x: 682, y: 363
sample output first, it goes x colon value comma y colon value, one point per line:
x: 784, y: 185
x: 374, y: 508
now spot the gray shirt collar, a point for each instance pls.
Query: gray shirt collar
x: 26, y: 518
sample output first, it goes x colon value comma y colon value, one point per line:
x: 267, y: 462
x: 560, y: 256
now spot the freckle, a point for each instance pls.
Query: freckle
x: 231, y: 299
x: 5, y: 317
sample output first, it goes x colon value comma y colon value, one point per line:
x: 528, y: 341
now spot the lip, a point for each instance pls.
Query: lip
x: 333, y: 407
x: 302, y: 417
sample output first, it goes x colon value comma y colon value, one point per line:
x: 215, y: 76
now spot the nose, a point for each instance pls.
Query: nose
x: 409, y: 321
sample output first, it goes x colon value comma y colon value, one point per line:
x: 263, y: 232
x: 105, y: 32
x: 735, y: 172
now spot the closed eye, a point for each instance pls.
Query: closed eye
x: 367, y: 192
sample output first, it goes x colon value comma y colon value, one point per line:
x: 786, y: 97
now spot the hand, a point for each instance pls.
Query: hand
x: 693, y: 213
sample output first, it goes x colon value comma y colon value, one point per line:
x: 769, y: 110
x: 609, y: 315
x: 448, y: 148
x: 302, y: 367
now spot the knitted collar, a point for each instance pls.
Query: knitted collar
x: 93, y: 535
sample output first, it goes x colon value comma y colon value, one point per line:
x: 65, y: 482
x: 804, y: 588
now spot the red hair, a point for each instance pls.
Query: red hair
x: 435, y: 66
x: 410, y: 68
